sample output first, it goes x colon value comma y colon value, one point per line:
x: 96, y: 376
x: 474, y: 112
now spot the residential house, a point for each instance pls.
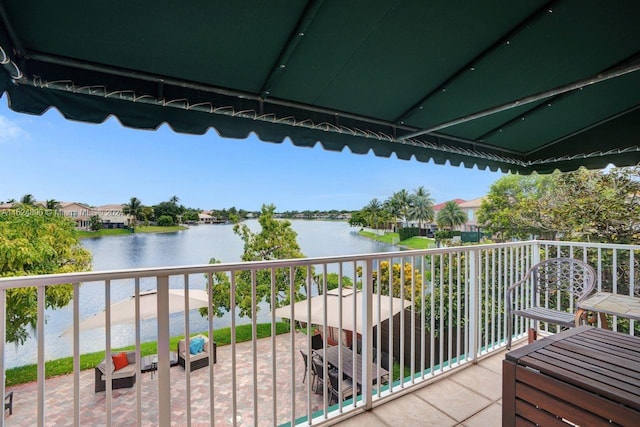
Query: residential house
x: 112, y: 216
x: 205, y: 218
x: 80, y: 213
x: 471, y: 207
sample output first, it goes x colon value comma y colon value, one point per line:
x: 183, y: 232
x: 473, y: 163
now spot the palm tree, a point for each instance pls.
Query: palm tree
x: 421, y: 192
x: 146, y: 214
x: 373, y: 209
x: 422, y: 208
x: 133, y: 208
x: 403, y: 200
x: 392, y: 208
x: 174, y: 200
x: 52, y: 204
x: 27, y: 199
x: 451, y: 216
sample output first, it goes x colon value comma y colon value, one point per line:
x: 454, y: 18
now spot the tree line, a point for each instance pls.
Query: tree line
x: 170, y: 213
x: 589, y: 206
x: 403, y: 207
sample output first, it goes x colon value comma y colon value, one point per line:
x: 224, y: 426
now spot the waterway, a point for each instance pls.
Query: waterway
x: 197, y: 245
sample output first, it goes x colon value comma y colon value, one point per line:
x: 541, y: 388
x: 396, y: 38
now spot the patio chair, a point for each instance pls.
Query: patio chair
x: 334, y: 387
x: 199, y: 359
x: 124, y: 377
x: 558, y: 285
x: 305, y: 357
x: 316, y: 342
x: 385, y: 363
x: 8, y: 402
x: 319, y: 371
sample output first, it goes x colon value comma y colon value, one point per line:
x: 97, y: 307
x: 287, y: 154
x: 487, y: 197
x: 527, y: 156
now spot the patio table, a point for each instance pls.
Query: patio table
x: 613, y: 304
x: 347, y: 364
x: 586, y: 376
x: 150, y: 363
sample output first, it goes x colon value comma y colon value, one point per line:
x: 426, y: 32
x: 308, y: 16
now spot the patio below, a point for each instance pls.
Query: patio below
x: 467, y: 397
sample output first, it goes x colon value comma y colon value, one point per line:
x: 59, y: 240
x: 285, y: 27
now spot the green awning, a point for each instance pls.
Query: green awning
x: 520, y: 86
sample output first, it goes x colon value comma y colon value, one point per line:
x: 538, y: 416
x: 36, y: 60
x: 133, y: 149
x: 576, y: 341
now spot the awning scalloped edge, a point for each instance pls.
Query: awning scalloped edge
x: 207, y: 107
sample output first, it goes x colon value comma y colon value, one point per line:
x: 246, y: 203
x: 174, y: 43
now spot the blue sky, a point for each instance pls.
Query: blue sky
x: 53, y: 158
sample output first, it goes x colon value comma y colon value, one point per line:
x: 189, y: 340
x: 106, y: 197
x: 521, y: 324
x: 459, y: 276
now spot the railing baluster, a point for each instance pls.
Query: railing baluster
x: 432, y: 317
x: 441, y: 314
x: 379, y: 327
x: 138, y: 352
x: 460, y: 283
x: 631, y: 285
x: 41, y: 364
x: 614, y: 278
x: 353, y: 336
x: 187, y: 333
x: 450, y: 312
x: 413, y: 322
x: 367, y: 342
x: 212, y: 383
x: 107, y: 352
x: 391, y: 329
x: 164, y: 380
x: 423, y: 324
x: 402, y: 322
x: 3, y: 339
x: 473, y: 302
x: 292, y: 349
x: 254, y: 345
x: 494, y: 325
x: 232, y: 332
x: 340, y: 343
x: 274, y: 343
x: 76, y: 355
x: 502, y: 286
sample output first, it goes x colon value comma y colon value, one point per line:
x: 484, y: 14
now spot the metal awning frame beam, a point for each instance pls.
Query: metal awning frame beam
x: 601, y: 77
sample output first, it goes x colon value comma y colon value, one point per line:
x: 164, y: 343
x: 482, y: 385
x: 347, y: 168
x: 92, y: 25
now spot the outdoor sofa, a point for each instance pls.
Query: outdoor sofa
x: 125, y: 377
x: 201, y: 358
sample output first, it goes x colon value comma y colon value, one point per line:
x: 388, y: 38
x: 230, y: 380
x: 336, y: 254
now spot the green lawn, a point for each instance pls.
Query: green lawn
x: 53, y: 368
x: 418, y: 243
x: 391, y: 238
x: 158, y: 229
x: 139, y: 229
x: 104, y: 232
x: 394, y: 239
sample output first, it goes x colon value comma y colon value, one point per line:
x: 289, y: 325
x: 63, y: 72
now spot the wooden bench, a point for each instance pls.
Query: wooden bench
x: 584, y: 376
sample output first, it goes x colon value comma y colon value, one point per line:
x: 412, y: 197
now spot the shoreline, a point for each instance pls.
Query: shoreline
x: 415, y: 242
x: 143, y: 229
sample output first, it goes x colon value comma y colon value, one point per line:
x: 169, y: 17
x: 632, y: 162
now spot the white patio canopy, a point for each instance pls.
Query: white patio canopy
x: 388, y: 307
x: 125, y: 311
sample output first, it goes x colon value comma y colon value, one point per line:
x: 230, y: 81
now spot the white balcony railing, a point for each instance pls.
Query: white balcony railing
x: 457, y: 314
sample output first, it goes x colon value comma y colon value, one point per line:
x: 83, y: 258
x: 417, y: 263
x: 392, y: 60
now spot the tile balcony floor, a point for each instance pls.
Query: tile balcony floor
x: 467, y: 397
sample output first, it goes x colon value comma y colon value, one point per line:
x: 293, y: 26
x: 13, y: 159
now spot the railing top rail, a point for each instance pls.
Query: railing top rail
x: 92, y: 276
x: 621, y: 246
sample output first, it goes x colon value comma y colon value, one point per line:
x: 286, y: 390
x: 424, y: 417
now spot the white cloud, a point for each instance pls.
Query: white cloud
x: 11, y: 131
